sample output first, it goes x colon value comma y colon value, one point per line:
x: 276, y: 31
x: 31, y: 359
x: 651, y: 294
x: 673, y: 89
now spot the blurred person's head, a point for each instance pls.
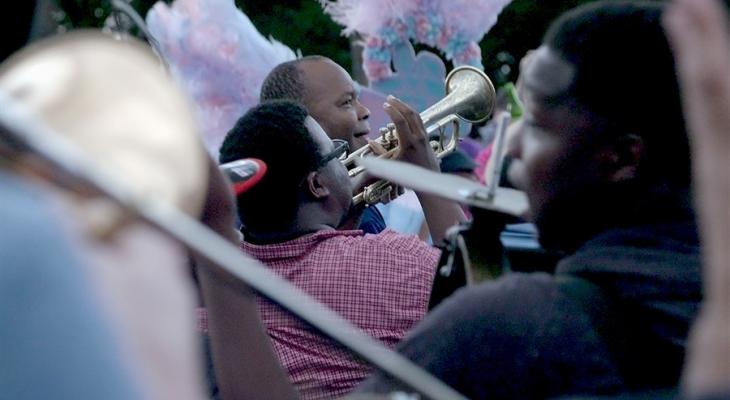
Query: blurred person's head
x: 80, y: 85
x: 459, y: 163
x: 327, y: 91
x: 603, y: 136
x: 305, y: 183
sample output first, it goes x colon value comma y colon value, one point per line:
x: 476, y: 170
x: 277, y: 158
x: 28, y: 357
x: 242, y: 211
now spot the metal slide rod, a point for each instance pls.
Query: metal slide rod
x: 24, y: 131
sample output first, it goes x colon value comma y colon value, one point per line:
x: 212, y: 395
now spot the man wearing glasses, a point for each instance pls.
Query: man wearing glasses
x: 340, y: 152
x: 332, y: 98
x: 379, y: 282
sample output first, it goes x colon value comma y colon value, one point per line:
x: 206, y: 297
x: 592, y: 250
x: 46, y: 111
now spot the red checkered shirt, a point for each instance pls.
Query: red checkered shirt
x: 381, y: 283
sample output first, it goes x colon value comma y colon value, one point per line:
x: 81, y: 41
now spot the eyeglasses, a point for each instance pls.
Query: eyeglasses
x: 340, y: 151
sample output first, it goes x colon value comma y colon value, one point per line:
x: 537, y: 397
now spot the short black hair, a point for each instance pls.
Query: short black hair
x: 274, y: 132
x: 285, y: 81
x: 625, y: 72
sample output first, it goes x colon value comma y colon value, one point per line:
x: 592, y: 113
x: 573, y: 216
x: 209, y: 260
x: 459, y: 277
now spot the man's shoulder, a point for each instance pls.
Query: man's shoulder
x: 513, y: 288
x: 520, y: 308
x: 500, y: 331
x: 528, y: 300
x: 405, y: 244
x: 658, y: 251
x: 386, y: 249
x: 387, y: 237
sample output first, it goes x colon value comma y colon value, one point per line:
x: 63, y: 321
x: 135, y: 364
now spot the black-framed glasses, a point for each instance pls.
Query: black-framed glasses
x: 340, y: 151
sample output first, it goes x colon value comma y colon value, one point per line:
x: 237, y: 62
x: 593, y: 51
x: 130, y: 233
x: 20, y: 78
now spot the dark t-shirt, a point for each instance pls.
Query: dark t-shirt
x: 372, y: 221
x: 524, y: 336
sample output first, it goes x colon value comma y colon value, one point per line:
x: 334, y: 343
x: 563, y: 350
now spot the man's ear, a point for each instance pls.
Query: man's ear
x: 316, y: 186
x: 619, y: 161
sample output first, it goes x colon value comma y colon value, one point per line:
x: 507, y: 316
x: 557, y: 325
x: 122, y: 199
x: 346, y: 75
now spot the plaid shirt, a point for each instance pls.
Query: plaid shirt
x: 381, y: 283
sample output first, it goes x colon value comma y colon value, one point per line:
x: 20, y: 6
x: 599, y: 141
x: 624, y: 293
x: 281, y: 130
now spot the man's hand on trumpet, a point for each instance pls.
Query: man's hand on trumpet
x: 380, y: 151
x: 415, y: 148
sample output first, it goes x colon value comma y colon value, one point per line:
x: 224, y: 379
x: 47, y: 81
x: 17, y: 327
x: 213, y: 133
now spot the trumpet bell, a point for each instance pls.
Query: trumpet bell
x: 470, y: 96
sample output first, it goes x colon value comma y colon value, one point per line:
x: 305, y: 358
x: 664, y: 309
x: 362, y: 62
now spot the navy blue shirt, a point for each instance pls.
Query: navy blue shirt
x: 372, y: 221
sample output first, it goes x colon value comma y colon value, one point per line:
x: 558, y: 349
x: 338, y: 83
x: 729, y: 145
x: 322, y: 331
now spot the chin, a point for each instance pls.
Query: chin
x: 565, y: 226
x: 552, y: 235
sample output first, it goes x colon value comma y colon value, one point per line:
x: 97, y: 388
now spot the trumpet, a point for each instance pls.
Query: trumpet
x: 470, y: 97
x: 98, y: 155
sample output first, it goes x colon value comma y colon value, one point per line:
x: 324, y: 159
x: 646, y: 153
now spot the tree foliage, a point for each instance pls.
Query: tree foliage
x: 301, y: 25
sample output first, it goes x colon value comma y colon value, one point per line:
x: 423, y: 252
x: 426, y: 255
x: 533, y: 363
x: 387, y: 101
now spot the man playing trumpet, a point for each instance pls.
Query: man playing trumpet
x: 332, y: 99
x: 380, y: 282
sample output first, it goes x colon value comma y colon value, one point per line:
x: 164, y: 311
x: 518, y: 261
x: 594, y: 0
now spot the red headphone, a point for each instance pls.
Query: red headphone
x: 244, y: 173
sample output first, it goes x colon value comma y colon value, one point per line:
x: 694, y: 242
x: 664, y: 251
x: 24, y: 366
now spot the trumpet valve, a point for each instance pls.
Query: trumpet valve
x: 384, y: 135
x: 375, y: 193
x: 389, y: 138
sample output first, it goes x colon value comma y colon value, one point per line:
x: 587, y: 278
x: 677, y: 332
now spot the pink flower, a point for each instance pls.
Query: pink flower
x: 375, y: 42
x: 471, y: 55
x: 422, y: 29
x: 444, y: 37
x: 376, y: 70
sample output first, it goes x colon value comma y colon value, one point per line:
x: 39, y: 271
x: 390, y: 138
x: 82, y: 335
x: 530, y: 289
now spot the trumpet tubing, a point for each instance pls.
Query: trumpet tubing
x: 470, y: 97
x: 46, y: 121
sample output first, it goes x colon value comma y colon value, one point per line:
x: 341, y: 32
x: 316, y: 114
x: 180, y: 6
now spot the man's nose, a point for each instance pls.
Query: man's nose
x: 362, y: 111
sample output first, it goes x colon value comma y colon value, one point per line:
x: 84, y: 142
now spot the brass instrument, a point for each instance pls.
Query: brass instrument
x: 108, y: 123
x: 470, y: 97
